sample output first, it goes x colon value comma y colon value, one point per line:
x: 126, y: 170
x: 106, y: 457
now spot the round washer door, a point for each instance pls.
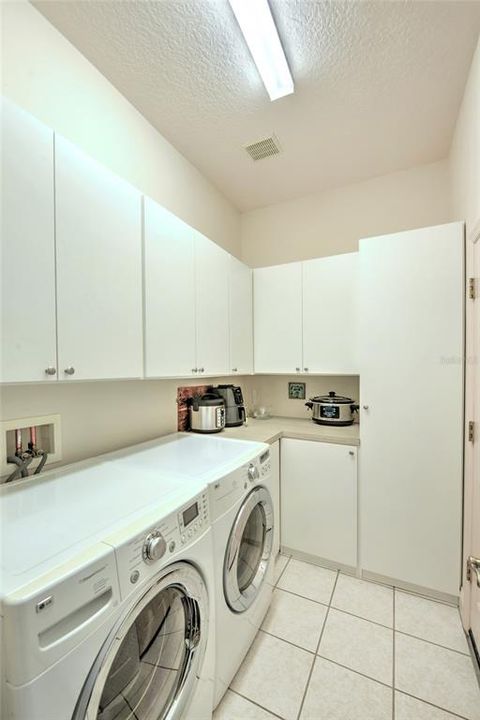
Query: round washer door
x: 146, y: 669
x: 249, y: 550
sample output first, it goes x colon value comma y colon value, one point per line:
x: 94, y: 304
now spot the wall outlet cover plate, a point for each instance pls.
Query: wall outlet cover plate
x: 296, y: 390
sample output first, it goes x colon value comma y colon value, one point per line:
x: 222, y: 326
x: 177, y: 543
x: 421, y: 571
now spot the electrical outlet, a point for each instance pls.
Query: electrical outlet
x: 49, y: 438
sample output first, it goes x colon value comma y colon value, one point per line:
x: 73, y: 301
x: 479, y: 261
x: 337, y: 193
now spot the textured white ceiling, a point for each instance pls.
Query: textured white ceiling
x: 378, y: 84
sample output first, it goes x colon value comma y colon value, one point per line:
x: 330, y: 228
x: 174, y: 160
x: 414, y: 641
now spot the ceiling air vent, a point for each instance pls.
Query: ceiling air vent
x: 263, y: 148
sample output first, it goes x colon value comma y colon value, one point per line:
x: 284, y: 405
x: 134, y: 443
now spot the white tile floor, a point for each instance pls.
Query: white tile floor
x: 333, y: 647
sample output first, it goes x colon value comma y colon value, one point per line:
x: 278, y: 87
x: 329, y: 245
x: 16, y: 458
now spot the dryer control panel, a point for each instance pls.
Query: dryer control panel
x: 228, y: 489
x: 144, y: 547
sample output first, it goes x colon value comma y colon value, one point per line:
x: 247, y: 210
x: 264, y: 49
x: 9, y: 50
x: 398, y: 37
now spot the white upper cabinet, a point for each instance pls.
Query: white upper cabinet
x: 241, y: 318
x: 329, y: 314
x: 169, y: 294
x: 211, y: 285
x: 99, y: 269
x: 28, y: 333
x: 278, y: 318
x: 411, y: 384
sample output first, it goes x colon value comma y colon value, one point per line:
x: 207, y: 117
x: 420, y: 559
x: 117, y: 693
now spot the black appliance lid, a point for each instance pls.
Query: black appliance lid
x: 208, y: 399
x: 333, y: 399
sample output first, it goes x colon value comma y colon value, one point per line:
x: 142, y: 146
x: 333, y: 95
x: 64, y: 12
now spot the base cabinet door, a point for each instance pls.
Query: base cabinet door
x: 99, y: 269
x: 278, y: 318
x: 319, y: 500
x: 169, y: 294
x: 211, y: 302
x: 329, y: 315
x: 411, y: 385
x: 28, y: 333
x: 240, y: 318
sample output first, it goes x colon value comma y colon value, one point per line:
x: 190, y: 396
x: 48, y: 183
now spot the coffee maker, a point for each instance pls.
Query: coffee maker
x: 235, y: 413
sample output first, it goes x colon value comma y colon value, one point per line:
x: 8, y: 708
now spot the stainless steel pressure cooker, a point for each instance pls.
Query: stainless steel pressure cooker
x: 332, y: 409
x: 207, y: 413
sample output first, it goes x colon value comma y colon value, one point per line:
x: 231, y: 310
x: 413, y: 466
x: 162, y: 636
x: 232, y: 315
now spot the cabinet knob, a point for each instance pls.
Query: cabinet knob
x: 366, y: 407
x: 351, y: 452
x: 50, y: 370
x: 234, y: 369
x: 201, y: 369
x: 194, y: 370
x: 297, y: 369
x: 305, y: 369
x: 69, y: 370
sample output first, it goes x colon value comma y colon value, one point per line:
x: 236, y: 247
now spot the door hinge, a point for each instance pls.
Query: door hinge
x: 471, y: 431
x: 472, y: 288
x: 473, y: 566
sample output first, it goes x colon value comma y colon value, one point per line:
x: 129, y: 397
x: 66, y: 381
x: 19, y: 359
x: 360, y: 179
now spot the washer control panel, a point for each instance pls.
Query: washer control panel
x: 143, y: 549
x: 265, y: 463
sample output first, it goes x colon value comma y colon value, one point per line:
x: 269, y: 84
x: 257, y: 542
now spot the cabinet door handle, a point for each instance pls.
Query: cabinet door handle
x: 305, y: 369
x: 350, y: 452
x: 297, y: 369
x: 366, y: 407
x: 201, y: 369
x: 50, y: 370
x: 234, y: 369
x: 69, y: 370
x: 194, y: 370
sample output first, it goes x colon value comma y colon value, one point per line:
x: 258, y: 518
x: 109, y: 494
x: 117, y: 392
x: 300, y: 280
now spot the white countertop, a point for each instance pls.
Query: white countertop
x: 274, y: 428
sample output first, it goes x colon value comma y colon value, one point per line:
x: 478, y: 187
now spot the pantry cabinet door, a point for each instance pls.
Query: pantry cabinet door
x: 277, y: 302
x: 411, y: 385
x: 28, y: 332
x: 211, y: 284
x: 241, y: 318
x: 319, y: 500
x: 329, y: 314
x: 99, y: 269
x: 169, y: 294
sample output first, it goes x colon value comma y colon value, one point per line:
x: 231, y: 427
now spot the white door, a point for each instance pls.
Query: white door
x: 319, y: 500
x: 28, y: 331
x: 241, y: 318
x: 169, y: 294
x: 329, y: 314
x: 211, y: 285
x: 99, y: 269
x: 470, y: 596
x: 277, y: 302
x: 411, y: 374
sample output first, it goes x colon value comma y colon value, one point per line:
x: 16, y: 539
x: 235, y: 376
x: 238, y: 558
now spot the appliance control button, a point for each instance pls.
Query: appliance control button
x: 252, y: 472
x: 134, y: 577
x: 171, y: 545
x: 154, y: 546
x: 183, y: 538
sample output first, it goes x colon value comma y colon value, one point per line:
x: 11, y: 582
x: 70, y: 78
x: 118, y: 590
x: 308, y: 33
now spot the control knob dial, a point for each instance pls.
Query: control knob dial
x: 154, y: 546
x: 252, y: 472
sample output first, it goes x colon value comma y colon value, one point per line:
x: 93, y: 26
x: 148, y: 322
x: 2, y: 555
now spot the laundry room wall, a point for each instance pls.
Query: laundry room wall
x: 45, y: 74
x: 333, y: 221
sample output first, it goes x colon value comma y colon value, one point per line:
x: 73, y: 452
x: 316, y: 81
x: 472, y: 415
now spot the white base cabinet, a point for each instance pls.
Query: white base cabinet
x: 319, y: 500
x: 275, y: 463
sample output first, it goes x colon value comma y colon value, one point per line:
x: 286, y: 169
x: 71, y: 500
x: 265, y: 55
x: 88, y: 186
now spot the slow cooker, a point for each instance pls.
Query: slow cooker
x: 207, y: 413
x: 332, y: 409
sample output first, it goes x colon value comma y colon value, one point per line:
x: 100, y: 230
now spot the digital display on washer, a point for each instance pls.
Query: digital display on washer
x: 265, y: 456
x: 190, y: 514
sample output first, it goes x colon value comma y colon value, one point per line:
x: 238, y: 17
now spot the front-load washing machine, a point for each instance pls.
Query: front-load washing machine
x: 106, y: 599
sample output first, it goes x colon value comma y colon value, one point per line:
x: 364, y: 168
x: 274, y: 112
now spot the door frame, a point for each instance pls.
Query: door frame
x: 472, y: 376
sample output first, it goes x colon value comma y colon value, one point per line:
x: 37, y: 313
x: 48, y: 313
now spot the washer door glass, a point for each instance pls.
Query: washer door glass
x: 147, y: 668
x: 249, y: 550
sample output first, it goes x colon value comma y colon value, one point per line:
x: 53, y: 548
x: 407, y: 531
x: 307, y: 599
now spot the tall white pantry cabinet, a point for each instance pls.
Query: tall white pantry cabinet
x: 411, y: 313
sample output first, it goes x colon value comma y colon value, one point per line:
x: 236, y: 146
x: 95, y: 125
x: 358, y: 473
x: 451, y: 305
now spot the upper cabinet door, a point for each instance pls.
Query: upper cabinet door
x: 241, y: 318
x: 169, y: 294
x: 28, y: 351
x: 99, y: 269
x: 211, y: 282
x: 278, y: 318
x: 329, y: 314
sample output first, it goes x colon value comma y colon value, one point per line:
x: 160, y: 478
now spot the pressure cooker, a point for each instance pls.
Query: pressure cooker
x: 207, y: 413
x: 332, y: 409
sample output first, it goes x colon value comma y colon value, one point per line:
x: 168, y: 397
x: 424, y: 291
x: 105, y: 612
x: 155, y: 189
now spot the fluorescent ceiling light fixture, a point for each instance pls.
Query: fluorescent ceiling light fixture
x: 258, y: 28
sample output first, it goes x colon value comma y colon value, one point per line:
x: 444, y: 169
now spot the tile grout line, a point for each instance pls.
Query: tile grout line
x: 430, y: 642
x: 430, y: 704
x: 393, y: 657
x: 289, y: 642
x: 281, y: 574
x: 255, y: 703
x: 356, y: 672
x: 307, y: 684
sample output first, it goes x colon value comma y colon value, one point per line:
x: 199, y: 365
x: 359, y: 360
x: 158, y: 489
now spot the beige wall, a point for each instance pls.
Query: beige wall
x: 332, y: 222
x: 465, y: 150
x: 43, y: 73
x: 98, y: 417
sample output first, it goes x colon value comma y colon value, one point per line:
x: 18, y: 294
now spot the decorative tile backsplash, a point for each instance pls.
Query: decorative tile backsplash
x: 183, y: 396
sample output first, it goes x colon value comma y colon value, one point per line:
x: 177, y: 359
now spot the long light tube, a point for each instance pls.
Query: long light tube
x: 258, y: 28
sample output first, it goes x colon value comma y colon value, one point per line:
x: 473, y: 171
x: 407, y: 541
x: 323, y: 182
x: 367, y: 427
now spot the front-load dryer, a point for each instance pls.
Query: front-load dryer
x: 114, y: 627
x: 242, y: 515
